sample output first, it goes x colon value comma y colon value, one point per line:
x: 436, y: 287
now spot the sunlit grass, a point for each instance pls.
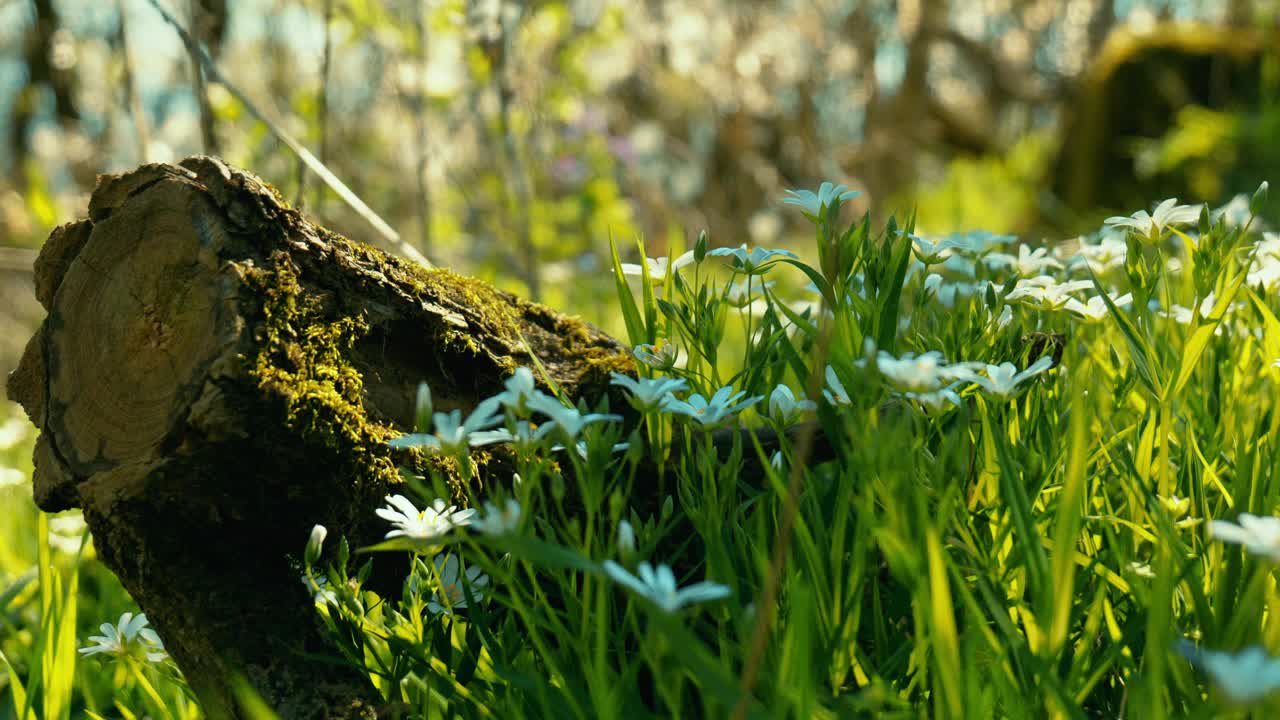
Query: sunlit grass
x: 910, y: 527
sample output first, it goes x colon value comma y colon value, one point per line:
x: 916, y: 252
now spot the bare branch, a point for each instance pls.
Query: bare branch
x: 131, y: 98
x: 324, y: 173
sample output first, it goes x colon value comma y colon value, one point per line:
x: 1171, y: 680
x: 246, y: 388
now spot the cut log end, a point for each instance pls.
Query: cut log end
x: 138, y: 316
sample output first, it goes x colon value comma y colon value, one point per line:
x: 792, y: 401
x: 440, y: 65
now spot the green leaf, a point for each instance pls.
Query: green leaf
x: 21, y: 707
x: 818, y: 280
x: 891, y: 298
x: 250, y: 702
x: 1140, y: 351
x: 1203, y: 333
x: 549, y: 555
x: 945, y: 636
x: 636, y: 332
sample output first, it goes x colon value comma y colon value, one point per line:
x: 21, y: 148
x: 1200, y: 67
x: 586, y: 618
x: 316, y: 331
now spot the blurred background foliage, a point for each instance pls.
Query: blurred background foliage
x: 510, y: 139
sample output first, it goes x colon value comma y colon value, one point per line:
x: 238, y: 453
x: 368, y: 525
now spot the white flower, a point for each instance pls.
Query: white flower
x: 778, y: 461
x: 581, y: 448
x: 11, y: 477
x: 1096, y: 307
x: 520, y: 388
x: 66, y: 531
x: 751, y: 261
x: 452, y: 435
x: 525, y: 438
x: 1258, y: 535
x: 947, y: 292
x: 1110, y: 251
x: 913, y: 372
x: 569, y: 420
x: 928, y: 252
x: 1028, y: 262
x: 499, y: 521
x: 710, y: 412
x: 741, y: 294
x: 453, y: 590
x: 658, y: 266
x: 936, y: 399
x: 827, y: 194
x: 1167, y: 214
x: 15, y: 430
x: 426, y: 524
x: 974, y: 243
x: 1183, y: 315
x: 626, y: 537
x: 1275, y: 363
x: 1142, y: 570
x: 1003, y: 379
x: 659, y: 586
x: 125, y: 637
x: 1045, y: 292
x: 834, y: 392
x: 1235, y: 212
x: 321, y: 593
x: 1265, y: 271
x: 648, y: 394
x: 1245, y: 676
x: 1266, y: 248
x: 661, y: 355
x: 1006, y: 316
x: 784, y: 408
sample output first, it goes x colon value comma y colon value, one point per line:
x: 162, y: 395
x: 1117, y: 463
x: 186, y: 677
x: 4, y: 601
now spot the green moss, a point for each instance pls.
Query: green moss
x: 304, y: 352
x: 303, y: 359
x: 491, y: 314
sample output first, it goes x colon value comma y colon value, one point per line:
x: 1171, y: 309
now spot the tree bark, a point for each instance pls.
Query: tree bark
x: 216, y: 374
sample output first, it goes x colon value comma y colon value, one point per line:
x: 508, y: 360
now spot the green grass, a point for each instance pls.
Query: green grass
x: 956, y: 551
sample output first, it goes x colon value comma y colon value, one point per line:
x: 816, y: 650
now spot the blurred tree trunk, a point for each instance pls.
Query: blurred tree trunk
x: 44, y: 72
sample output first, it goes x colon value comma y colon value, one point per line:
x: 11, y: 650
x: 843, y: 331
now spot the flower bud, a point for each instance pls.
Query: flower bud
x: 1259, y: 199
x: 700, y: 247
x: 626, y: 538
x: 315, y: 544
x: 422, y: 414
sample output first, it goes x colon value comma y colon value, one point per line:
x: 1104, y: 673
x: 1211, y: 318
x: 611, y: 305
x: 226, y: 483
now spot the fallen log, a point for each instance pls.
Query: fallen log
x: 217, y: 373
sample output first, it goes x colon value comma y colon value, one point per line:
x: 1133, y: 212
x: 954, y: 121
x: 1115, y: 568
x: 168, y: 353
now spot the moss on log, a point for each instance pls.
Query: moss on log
x: 217, y: 373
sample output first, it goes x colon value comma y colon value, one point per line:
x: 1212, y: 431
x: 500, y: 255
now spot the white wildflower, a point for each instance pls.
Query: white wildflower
x: 1152, y: 226
x: 569, y: 421
x: 1045, y: 292
x: 499, y: 521
x: 661, y: 355
x: 659, y: 266
x: 1095, y: 309
x: 426, y: 524
x: 785, y: 408
x: 754, y: 261
x: 813, y: 203
x: 1245, y: 676
x: 648, y: 394
x: 834, y: 391
x: 126, y: 637
x: 454, y: 587
x: 452, y: 435
x: 1003, y: 379
x: 1258, y: 535
x: 1027, y: 263
x: 658, y: 585
x: 710, y: 412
